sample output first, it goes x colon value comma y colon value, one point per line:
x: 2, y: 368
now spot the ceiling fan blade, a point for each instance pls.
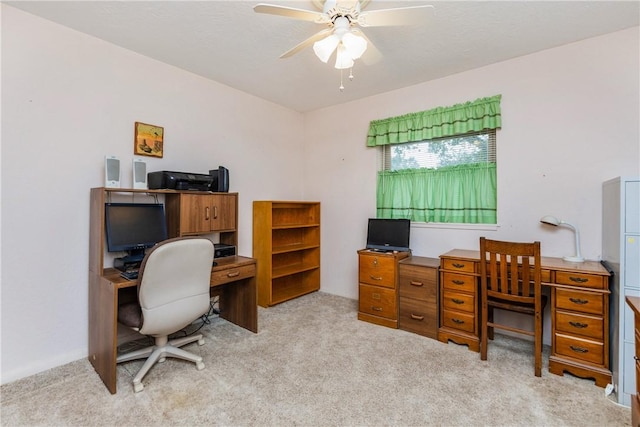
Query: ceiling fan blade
x: 399, y: 16
x: 290, y: 12
x: 372, y: 55
x: 314, y: 38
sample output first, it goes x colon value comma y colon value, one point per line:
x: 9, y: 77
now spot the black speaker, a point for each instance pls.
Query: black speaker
x: 219, y: 180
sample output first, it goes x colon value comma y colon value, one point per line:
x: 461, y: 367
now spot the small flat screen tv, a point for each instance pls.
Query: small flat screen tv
x: 133, y: 227
x: 388, y: 234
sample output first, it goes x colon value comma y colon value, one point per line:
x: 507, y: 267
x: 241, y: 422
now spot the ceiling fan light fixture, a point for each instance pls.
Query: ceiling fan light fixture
x: 325, y: 47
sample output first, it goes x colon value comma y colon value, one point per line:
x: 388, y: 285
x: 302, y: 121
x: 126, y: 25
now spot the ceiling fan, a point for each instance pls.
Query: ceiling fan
x: 342, y: 19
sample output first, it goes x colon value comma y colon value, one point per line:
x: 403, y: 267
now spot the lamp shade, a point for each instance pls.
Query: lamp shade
x: 325, y: 47
x: 552, y: 220
x: 343, y: 59
x: 354, y: 44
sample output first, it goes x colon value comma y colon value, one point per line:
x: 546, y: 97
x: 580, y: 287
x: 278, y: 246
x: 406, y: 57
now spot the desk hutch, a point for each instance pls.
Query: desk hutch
x: 188, y: 213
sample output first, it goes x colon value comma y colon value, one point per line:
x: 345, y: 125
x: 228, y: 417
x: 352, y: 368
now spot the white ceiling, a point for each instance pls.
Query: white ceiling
x: 226, y: 41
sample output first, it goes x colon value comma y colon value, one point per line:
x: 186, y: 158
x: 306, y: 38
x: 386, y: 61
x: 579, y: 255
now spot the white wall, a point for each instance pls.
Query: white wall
x: 570, y: 122
x: 67, y: 101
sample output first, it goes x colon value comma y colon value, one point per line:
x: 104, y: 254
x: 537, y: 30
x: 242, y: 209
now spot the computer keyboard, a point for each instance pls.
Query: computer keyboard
x: 130, y: 275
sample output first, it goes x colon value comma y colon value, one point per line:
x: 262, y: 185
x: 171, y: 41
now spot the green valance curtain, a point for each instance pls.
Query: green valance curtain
x: 474, y: 116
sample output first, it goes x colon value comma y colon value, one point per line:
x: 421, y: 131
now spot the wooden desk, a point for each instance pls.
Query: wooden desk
x: 579, y: 311
x: 233, y: 279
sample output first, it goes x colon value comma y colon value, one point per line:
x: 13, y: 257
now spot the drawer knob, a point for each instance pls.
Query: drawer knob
x: 376, y: 308
x: 458, y: 282
x: 416, y: 283
x: 579, y: 301
x: 578, y: 325
x: 457, y: 265
x: 457, y: 321
x: 457, y: 301
x: 375, y: 277
x: 416, y: 317
x: 233, y: 274
x: 578, y: 279
x: 578, y: 349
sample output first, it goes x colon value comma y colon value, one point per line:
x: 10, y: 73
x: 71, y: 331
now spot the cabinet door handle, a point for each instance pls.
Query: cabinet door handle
x: 215, y: 212
x: 233, y: 274
x: 376, y: 277
x: 457, y: 321
x: 206, y: 213
x: 458, y: 282
x: 416, y: 283
x: 376, y: 308
x: 578, y: 349
x: 578, y: 279
x: 457, y: 301
x: 578, y: 325
x: 456, y: 265
x: 579, y: 301
x: 416, y: 317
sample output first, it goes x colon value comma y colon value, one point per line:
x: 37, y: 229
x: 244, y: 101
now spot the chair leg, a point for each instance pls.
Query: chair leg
x: 538, y: 344
x: 484, y: 332
x: 490, y: 328
x: 161, y: 351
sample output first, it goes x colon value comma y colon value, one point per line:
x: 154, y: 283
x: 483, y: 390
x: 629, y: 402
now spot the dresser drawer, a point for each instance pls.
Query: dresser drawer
x: 459, y: 282
x: 377, y: 270
x: 220, y: 277
x: 458, y: 301
x: 416, y: 287
x: 580, y: 324
x: 582, y: 280
x: 418, y: 317
x: 579, y: 348
x: 459, y: 265
x: 378, y: 301
x: 459, y: 320
x: 581, y: 301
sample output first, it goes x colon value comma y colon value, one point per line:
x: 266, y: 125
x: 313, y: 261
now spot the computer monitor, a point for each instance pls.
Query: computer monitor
x: 388, y: 234
x: 133, y: 227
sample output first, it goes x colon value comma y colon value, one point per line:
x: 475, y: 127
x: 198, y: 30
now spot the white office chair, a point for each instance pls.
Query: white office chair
x: 173, y: 291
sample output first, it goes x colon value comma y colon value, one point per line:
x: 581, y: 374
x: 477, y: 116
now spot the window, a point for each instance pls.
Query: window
x: 439, y: 165
x: 478, y: 147
x: 446, y: 180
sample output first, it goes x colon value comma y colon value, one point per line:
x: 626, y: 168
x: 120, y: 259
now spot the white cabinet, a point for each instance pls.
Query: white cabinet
x: 621, y: 251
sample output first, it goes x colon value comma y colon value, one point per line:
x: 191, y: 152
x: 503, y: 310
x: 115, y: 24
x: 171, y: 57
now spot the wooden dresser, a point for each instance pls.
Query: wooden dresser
x: 579, y: 311
x: 634, y: 303
x: 418, y: 295
x: 378, y: 286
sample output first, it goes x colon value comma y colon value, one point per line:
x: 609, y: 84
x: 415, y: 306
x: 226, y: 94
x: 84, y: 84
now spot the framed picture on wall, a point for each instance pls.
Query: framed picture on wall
x: 148, y: 140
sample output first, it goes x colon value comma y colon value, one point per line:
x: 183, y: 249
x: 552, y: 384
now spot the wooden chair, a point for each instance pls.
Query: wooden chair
x: 510, y: 279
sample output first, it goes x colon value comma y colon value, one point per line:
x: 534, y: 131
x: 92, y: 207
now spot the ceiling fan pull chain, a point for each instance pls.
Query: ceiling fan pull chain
x: 341, y: 85
x: 351, y: 73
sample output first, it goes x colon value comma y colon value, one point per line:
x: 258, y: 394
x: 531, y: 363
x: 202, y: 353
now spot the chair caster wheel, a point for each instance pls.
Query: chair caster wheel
x: 138, y: 387
x: 199, y: 366
x: 201, y: 341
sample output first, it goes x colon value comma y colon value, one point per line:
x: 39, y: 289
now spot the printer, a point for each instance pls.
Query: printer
x: 178, y: 181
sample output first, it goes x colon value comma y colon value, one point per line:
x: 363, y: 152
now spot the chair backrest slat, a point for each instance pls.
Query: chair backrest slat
x: 511, y: 269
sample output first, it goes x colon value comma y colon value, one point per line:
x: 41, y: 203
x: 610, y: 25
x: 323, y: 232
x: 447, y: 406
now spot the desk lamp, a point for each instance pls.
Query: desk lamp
x: 552, y: 220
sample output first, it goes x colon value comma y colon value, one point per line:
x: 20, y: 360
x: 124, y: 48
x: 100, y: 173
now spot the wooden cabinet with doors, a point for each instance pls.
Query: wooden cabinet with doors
x: 200, y: 213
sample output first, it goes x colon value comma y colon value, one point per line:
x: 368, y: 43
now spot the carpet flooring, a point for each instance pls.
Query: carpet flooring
x: 312, y: 363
